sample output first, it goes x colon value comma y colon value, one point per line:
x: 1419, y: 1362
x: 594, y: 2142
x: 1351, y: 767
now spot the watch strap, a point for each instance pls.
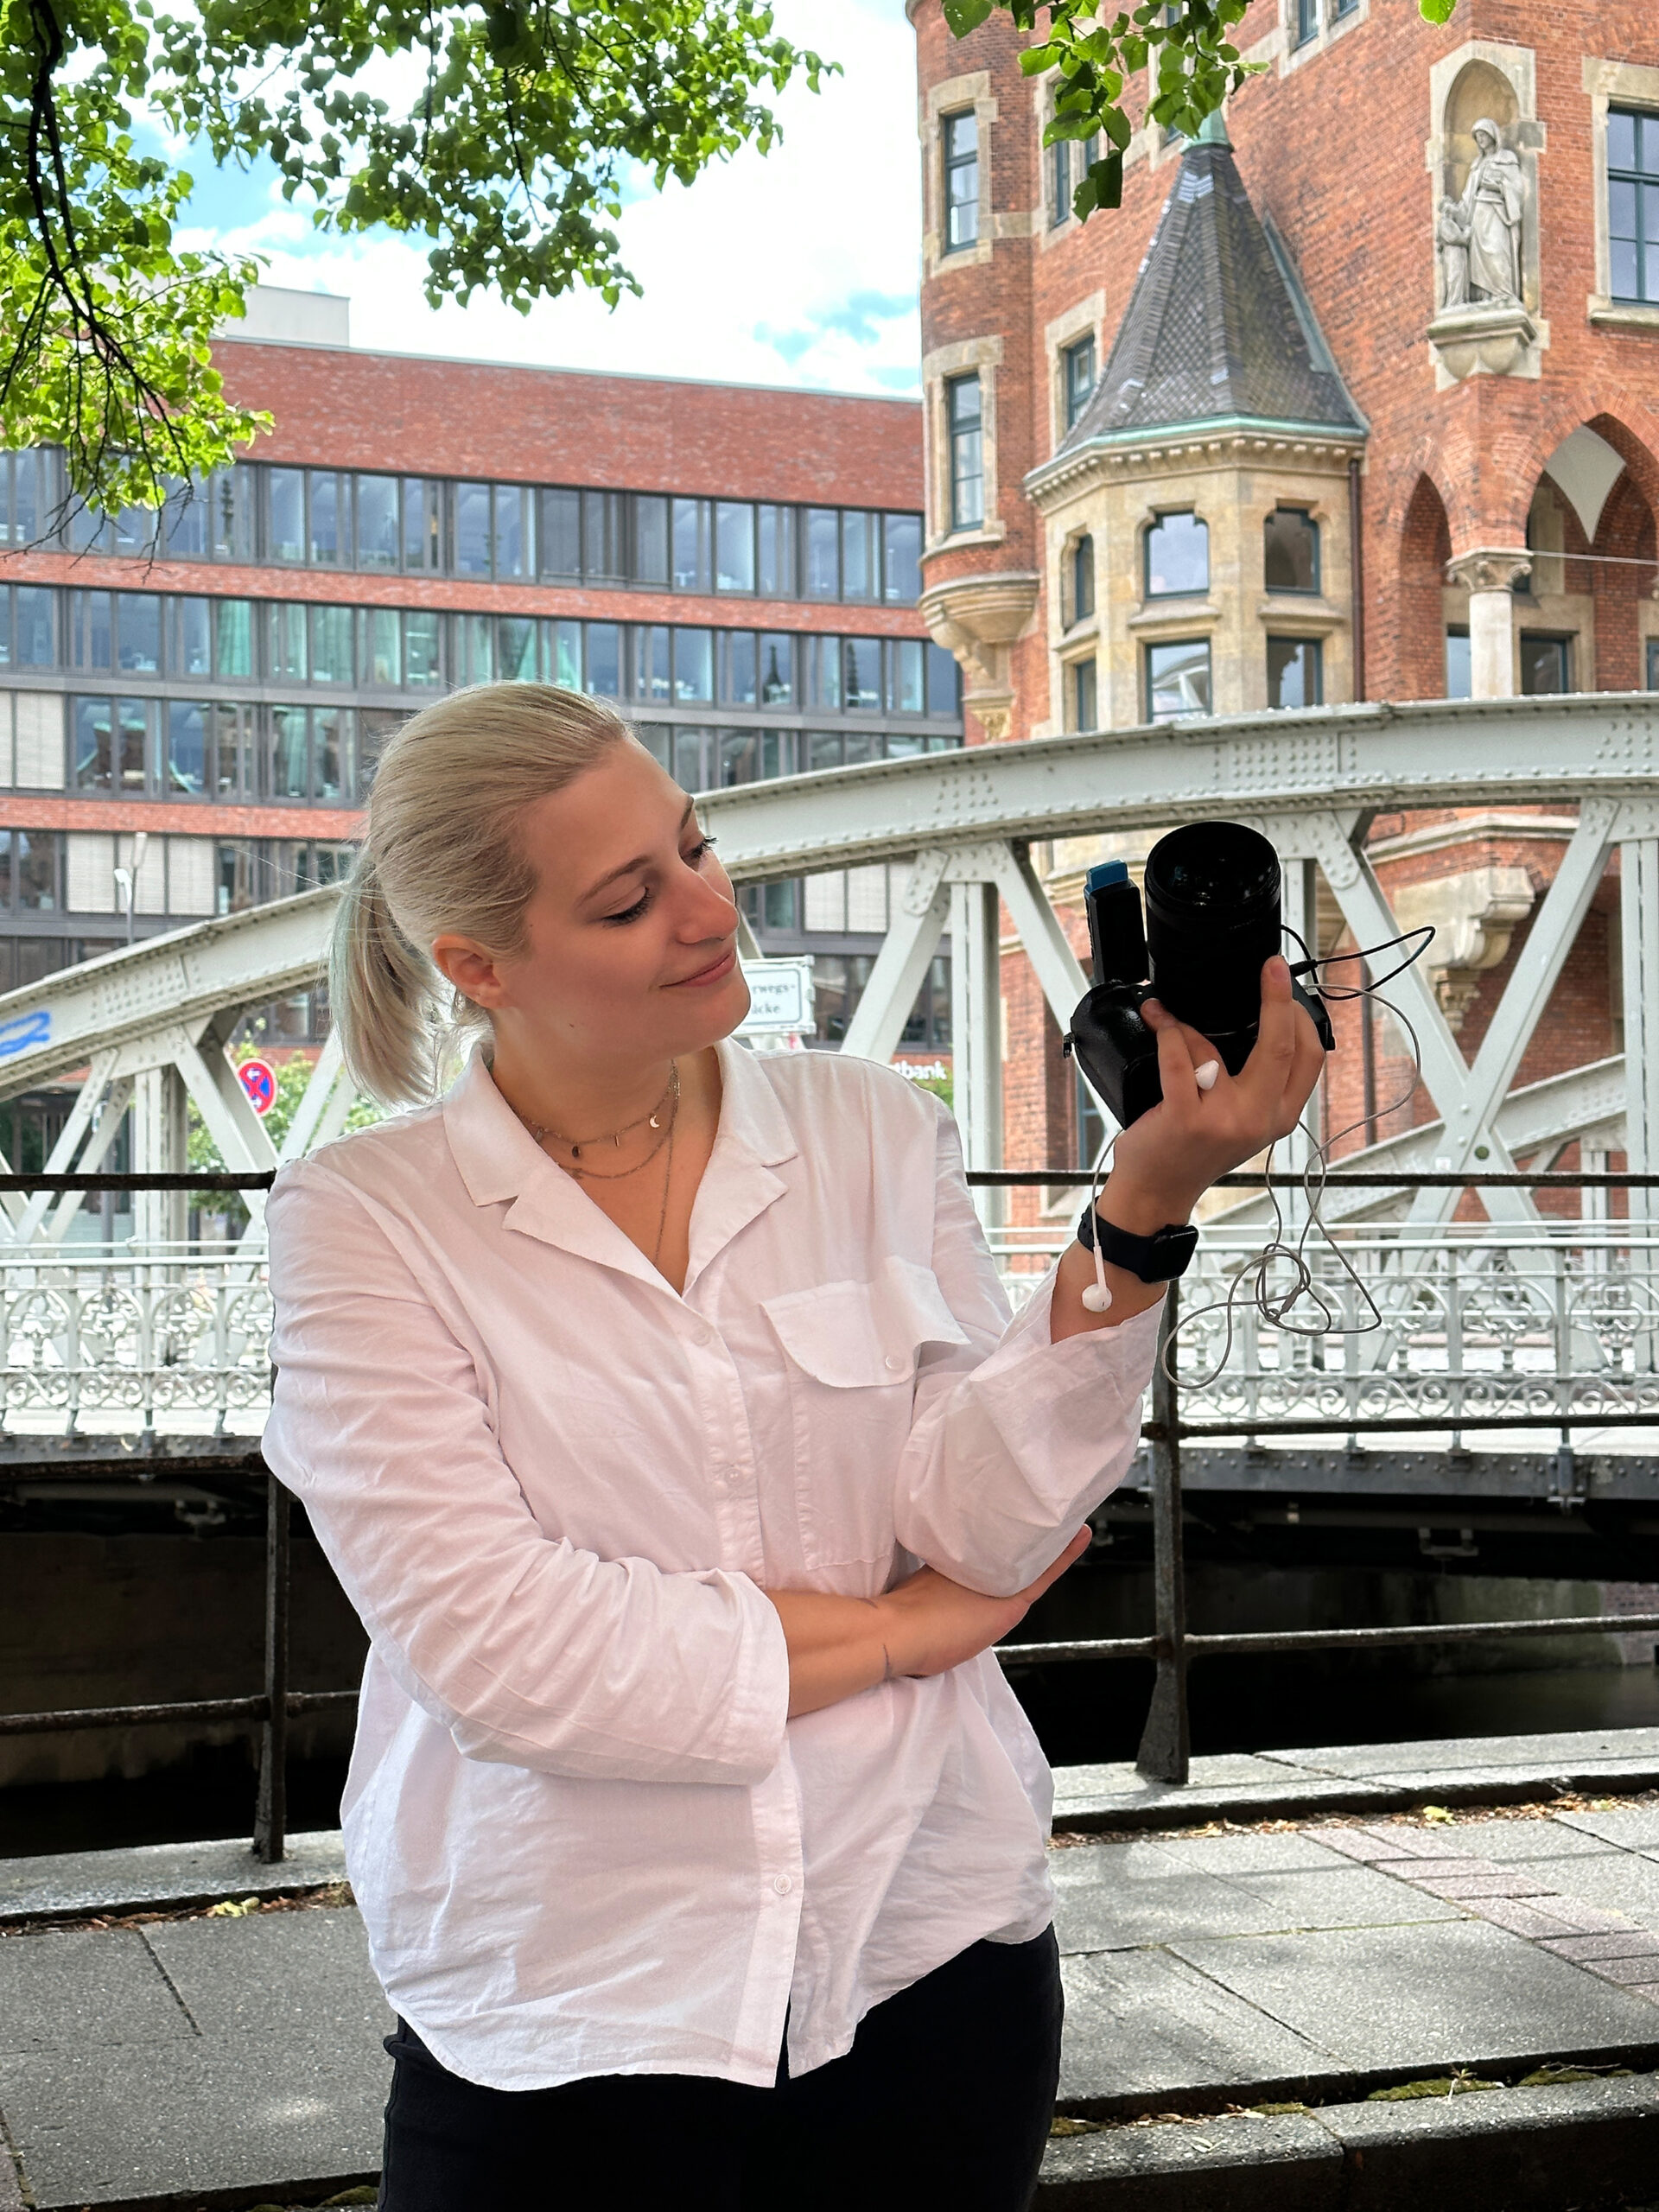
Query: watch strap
x: 1158, y: 1258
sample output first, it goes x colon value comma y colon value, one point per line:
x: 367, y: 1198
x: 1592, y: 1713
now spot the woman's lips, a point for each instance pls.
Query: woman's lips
x: 716, y: 972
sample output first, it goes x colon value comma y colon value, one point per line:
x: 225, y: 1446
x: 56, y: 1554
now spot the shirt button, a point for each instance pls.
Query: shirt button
x: 782, y: 1883
x: 894, y: 1362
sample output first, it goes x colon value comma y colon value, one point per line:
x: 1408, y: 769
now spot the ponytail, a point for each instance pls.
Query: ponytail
x: 440, y: 853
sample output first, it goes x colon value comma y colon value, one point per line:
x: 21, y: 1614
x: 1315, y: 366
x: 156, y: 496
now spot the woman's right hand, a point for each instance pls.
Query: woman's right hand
x: 839, y: 1646
x: 937, y: 1623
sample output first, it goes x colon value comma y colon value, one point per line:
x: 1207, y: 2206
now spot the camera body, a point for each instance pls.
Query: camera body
x: 1212, y: 919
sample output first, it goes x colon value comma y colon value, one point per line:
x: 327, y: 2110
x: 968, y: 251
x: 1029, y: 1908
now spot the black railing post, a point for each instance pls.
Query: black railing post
x: 1165, y: 1749
x: 270, y: 1818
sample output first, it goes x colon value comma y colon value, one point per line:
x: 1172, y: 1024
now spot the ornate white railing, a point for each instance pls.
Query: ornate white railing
x: 104, y: 1338
x: 1458, y: 1326
x: 1464, y: 1326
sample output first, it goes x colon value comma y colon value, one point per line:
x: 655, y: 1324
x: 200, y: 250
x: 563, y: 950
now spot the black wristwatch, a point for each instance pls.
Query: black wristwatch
x: 1158, y: 1258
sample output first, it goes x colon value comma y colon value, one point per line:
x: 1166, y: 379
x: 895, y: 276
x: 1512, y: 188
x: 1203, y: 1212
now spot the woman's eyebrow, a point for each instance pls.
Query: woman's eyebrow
x: 640, y: 860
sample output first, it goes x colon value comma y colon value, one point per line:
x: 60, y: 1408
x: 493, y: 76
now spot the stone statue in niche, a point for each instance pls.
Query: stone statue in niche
x: 1486, y: 258
x: 1452, y: 236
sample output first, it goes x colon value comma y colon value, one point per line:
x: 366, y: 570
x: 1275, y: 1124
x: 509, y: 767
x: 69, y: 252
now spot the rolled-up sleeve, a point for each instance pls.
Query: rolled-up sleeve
x: 529, y: 1651
x: 1016, y: 1439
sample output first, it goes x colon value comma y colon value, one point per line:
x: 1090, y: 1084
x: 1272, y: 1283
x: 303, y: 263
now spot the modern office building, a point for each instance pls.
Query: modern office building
x: 1356, y: 397
x: 204, y: 697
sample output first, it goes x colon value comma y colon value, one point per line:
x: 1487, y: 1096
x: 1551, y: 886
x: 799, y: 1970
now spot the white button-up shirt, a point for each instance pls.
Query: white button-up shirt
x: 585, y: 1837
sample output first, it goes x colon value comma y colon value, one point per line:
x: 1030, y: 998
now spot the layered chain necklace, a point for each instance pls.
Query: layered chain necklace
x: 662, y: 1117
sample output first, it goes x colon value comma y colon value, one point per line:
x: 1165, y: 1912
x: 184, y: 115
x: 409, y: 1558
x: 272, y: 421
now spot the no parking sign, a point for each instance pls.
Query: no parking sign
x: 258, y: 1079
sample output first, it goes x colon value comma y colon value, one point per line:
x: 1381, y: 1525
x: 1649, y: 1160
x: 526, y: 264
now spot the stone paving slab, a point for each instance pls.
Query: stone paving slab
x: 80, y: 1991
x: 1287, y: 2160
x: 286, y: 2115
x: 1143, y: 2025
x: 70, y: 1886
x: 1634, y: 1827
x: 1618, y: 1882
x: 297, y: 1975
x: 1522, y: 1841
x: 1533, y: 2150
x: 1425, y: 1998
x: 1359, y: 1777
x: 1545, y: 1754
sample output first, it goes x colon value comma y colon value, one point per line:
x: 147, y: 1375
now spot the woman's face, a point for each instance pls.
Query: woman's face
x: 631, y: 932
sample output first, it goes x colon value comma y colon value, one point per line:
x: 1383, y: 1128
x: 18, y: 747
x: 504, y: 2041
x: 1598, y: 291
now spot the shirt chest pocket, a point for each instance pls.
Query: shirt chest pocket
x: 850, y: 1354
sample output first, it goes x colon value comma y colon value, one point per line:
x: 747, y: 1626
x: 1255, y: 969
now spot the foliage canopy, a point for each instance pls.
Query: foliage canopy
x: 499, y: 131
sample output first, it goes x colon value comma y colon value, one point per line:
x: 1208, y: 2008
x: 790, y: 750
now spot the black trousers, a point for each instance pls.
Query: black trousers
x: 943, y: 2101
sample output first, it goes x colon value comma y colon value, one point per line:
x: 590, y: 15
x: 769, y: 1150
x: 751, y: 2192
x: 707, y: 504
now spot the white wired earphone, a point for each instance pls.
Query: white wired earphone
x: 1277, y: 1307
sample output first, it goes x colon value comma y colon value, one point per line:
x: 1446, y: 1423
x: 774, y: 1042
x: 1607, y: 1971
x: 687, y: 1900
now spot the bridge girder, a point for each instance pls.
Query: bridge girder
x: 964, y: 820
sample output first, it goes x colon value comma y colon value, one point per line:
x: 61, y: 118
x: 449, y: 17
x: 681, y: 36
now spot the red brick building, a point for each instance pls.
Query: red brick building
x: 1356, y: 398
x: 738, y: 566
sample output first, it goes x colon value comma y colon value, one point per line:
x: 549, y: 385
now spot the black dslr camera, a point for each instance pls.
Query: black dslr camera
x: 1212, y: 920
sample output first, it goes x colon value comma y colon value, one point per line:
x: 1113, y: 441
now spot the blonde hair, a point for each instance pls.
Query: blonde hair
x: 440, y: 853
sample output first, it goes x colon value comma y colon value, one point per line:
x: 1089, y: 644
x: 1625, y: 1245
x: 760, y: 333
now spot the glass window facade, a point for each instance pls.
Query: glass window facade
x: 1546, y: 664
x: 1177, y: 556
x: 965, y: 434
x: 1078, y: 374
x: 1458, y: 681
x: 1178, y: 679
x: 1290, y: 552
x: 1633, y: 203
x: 961, y: 146
x: 1077, y: 588
x: 1085, y: 709
x: 1295, y: 672
x: 262, y: 513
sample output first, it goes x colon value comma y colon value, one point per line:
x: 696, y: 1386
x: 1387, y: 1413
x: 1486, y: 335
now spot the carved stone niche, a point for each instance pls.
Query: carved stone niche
x: 1474, y: 914
x: 1485, y: 159
x: 977, y: 618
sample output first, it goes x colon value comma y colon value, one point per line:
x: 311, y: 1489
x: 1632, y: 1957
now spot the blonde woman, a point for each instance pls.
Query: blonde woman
x: 659, y: 1408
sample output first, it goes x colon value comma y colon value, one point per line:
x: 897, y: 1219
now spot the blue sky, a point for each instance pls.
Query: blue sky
x: 798, y: 270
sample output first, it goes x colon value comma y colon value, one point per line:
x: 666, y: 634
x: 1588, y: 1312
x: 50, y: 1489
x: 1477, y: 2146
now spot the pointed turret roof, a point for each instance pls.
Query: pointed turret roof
x: 1219, y: 329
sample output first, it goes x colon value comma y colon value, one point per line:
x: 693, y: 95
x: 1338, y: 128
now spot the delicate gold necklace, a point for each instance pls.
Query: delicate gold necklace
x: 541, y: 1134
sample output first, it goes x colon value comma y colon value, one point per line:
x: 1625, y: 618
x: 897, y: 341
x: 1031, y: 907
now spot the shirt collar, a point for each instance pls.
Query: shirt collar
x: 498, y: 1161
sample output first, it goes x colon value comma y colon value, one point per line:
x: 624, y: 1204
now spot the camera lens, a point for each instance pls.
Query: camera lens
x: 1212, y: 919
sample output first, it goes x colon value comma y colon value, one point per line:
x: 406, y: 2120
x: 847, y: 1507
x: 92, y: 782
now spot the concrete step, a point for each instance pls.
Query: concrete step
x: 1586, y: 2144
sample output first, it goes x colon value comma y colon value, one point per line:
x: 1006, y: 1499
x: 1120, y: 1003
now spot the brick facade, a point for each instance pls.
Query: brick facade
x: 1343, y: 145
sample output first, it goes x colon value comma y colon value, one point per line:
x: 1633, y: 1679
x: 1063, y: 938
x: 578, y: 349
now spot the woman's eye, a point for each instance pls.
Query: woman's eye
x: 700, y: 852
x: 631, y: 913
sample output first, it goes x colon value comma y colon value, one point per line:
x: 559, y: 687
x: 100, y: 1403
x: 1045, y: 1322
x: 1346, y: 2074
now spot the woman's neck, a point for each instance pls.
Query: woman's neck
x: 577, y: 1099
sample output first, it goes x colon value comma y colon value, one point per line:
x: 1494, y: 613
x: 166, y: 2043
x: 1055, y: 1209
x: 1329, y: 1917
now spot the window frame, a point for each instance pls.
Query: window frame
x: 1163, y: 645
x: 1640, y: 179
x: 1160, y: 516
x: 1312, y: 646
x: 956, y: 436
x: 1073, y: 398
x: 953, y: 164
x: 1294, y: 591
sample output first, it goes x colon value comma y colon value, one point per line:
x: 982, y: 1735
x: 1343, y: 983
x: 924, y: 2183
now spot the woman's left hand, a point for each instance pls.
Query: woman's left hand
x: 1163, y: 1163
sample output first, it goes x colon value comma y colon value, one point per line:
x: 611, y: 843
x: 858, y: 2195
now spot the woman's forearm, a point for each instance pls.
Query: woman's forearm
x: 837, y: 1646
x: 925, y: 1625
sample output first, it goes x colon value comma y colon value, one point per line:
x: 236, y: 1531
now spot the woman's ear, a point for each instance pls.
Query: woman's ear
x: 471, y: 969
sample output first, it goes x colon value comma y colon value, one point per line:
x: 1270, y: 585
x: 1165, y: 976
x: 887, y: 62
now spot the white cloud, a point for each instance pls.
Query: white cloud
x: 798, y: 268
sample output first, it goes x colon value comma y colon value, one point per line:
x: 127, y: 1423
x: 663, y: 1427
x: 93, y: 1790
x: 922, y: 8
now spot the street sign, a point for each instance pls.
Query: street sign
x: 780, y: 997
x: 258, y: 1079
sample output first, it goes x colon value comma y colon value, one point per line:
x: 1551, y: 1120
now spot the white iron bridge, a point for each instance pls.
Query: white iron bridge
x: 153, y: 1331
